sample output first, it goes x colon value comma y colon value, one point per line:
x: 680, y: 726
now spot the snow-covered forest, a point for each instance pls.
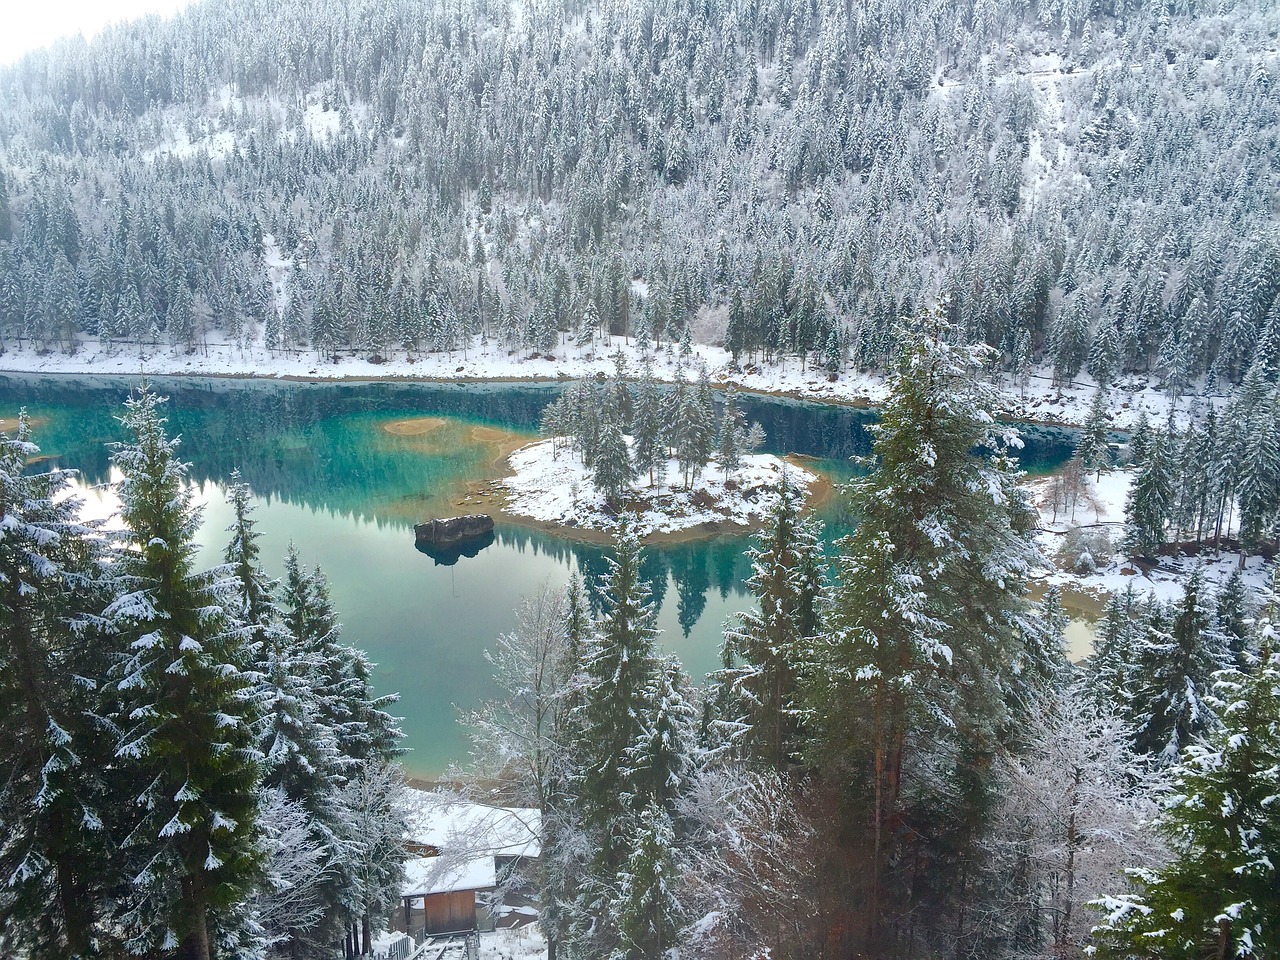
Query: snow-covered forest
x: 193, y: 762
x: 1088, y: 185
x: 896, y: 758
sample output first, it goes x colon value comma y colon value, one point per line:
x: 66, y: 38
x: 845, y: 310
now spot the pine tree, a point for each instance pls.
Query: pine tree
x: 646, y: 907
x: 187, y: 713
x: 373, y: 804
x: 1232, y: 619
x: 731, y: 435
x: 1150, y: 501
x: 1092, y: 449
x: 1217, y: 895
x: 618, y: 771
x: 648, y: 429
x: 619, y: 663
x: 300, y: 753
x: 656, y: 764
x: 1108, y: 675
x: 766, y: 651
x: 1176, y: 661
x: 928, y: 609
x: 613, y: 471
x: 55, y: 853
x: 1259, y: 481
x: 346, y: 705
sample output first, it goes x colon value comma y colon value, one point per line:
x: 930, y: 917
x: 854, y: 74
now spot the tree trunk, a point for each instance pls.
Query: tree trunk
x: 366, y: 926
x: 196, y: 944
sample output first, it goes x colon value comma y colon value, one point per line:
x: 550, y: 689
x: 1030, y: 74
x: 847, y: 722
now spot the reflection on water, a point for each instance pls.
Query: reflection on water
x: 345, y: 469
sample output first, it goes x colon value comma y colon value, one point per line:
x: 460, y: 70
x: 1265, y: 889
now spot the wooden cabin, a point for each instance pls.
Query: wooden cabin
x: 459, y: 854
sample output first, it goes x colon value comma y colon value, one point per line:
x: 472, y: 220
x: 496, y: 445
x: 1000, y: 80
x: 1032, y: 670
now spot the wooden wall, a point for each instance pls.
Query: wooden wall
x: 450, y: 912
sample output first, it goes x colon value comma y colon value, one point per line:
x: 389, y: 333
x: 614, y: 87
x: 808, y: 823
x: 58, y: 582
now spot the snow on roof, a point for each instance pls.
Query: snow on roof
x: 424, y: 876
x: 463, y: 829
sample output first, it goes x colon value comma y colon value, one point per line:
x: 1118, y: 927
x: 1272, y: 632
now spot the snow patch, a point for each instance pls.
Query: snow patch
x: 552, y: 485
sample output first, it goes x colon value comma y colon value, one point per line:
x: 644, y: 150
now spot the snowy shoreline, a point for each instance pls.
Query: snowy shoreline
x: 1092, y: 523
x: 1040, y: 403
x: 550, y: 485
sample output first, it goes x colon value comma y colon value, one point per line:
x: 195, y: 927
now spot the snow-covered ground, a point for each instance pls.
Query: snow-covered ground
x: 522, y: 943
x: 558, y: 489
x: 1039, y: 402
x: 1094, y: 524
x: 519, y: 943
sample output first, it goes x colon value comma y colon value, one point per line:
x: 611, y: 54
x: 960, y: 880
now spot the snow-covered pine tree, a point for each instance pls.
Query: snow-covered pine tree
x: 647, y: 427
x: 187, y: 713
x: 731, y: 435
x: 1176, y: 660
x: 359, y: 720
x: 373, y: 804
x: 693, y: 427
x: 1151, y: 499
x: 1216, y: 896
x: 1232, y: 619
x: 769, y: 648
x: 300, y: 753
x: 618, y: 665
x: 58, y: 872
x: 1092, y: 449
x: 1108, y: 673
x: 646, y: 906
x: 613, y: 471
x: 614, y: 718
x: 1259, y: 478
x: 911, y: 688
x: 657, y: 763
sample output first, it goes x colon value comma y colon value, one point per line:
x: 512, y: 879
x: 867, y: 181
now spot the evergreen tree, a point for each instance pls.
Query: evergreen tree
x: 300, y: 753
x: 55, y: 846
x: 187, y: 712
x: 1259, y: 481
x: 768, y: 649
x: 1217, y: 895
x: 345, y: 702
x: 731, y: 435
x: 613, y: 471
x: 1109, y: 671
x: 647, y: 908
x: 648, y: 429
x: 1176, y: 661
x: 1232, y: 619
x: 1150, y: 501
x: 910, y: 691
x: 632, y: 717
x: 1092, y: 449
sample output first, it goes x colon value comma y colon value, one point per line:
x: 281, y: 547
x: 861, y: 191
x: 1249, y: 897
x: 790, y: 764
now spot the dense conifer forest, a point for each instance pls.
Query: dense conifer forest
x: 1091, y: 185
x: 896, y: 758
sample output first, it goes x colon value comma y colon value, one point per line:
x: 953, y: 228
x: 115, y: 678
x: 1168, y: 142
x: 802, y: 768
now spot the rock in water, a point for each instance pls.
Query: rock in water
x: 452, y: 531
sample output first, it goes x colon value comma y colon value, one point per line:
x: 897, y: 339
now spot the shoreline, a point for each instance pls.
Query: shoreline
x: 855, y: 402
x: 1046, y: 405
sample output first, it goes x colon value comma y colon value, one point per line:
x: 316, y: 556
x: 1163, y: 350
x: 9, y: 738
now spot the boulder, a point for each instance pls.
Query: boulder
x: 451, y: 531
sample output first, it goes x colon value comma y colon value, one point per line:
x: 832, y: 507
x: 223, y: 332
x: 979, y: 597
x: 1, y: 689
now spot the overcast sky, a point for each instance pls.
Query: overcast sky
x: 28, y: 24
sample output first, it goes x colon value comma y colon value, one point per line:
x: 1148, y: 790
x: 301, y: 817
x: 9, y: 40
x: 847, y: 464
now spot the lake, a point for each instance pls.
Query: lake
x: 344, y: 470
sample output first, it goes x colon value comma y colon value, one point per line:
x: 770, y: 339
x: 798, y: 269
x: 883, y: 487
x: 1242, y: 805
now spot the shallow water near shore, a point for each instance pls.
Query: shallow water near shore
x: 344, y: 470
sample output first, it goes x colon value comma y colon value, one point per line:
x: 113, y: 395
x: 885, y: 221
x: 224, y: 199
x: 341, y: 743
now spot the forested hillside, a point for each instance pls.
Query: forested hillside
x: 1094, y: 185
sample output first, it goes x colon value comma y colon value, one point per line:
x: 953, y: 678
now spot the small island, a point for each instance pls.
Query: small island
x: 670, y: 461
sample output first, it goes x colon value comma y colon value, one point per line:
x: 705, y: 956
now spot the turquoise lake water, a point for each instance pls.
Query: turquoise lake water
x: 344, y: 470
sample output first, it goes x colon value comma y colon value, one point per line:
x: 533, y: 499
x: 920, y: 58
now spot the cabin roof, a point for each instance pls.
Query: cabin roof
x: 463, y: 829
x: 426, y: 876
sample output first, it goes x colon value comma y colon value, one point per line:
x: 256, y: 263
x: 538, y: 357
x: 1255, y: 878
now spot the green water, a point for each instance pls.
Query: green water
x: 328, y: 475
